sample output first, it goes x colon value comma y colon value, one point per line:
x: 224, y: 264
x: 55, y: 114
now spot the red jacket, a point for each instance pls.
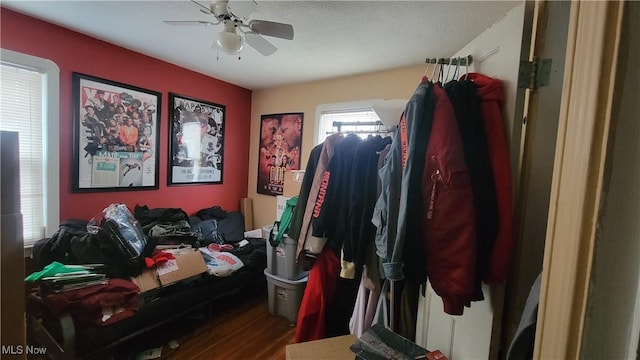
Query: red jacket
x: 319, y: 293
x: 86, y: 305
x: 492, y: 98
x: 448, y: 228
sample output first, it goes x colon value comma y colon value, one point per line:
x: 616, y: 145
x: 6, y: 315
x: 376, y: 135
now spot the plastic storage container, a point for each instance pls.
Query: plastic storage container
x: 285, y: 296
x: 281, y: 260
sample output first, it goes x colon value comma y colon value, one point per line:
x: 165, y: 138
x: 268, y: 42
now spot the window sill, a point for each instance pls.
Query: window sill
x: 28, y: 251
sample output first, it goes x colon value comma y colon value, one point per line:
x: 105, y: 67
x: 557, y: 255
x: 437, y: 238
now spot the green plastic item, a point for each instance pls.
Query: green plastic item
x: 53, y: 269
x: 285, y: 219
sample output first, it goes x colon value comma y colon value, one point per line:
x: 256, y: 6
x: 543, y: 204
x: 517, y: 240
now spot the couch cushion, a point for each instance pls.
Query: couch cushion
x: 232, y: 227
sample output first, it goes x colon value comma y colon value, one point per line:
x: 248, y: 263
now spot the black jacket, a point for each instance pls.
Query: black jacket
x: 466, y: 105
x: 332, y: 220
x: 364, y: 185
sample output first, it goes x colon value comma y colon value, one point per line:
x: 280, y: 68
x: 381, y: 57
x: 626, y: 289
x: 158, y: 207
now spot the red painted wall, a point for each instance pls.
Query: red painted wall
x: 72, y: 51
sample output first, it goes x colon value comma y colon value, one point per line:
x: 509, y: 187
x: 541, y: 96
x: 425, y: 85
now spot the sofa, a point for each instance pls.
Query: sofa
x: 67, y: 338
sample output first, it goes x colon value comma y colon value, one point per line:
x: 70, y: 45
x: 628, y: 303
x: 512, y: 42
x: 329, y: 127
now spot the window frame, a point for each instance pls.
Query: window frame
x: 51, y: 112
x: 339, y: 107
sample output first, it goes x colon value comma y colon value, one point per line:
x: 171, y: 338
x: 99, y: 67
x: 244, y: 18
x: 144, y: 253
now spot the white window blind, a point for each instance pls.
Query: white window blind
x: 21, y: 109
x: 362, y: 122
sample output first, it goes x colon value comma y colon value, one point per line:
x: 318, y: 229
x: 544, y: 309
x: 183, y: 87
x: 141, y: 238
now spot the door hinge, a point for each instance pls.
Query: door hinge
x: 534, y: 74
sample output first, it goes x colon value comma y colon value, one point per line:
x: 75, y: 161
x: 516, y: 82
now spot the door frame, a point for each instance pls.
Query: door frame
x: 579, y: 168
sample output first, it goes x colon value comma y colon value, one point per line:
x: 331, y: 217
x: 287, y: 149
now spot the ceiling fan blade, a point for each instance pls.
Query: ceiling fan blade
x: 203, y: 8
x: 270, y: 28
x: 241, y: 8
x: 259, y: 43
x: 190, y: 22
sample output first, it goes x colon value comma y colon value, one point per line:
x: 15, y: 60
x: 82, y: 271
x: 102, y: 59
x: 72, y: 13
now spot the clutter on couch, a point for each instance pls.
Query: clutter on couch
x: 104, y: 281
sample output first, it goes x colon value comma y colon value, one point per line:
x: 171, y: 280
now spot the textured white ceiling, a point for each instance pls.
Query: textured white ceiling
x: 332, y: 38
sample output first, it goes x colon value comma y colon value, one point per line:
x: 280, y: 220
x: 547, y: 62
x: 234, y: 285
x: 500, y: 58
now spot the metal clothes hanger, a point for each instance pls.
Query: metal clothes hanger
x: 426, y: 69
x: 433, y: 73
x: 466, y: 69
x: 446, y: 78
x: 455, y: 72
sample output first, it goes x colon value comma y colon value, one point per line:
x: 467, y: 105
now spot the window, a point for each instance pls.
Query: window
x: 354, y: 117
x: 29, y: 104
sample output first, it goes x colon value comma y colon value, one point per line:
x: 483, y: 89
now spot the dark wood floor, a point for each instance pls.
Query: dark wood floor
x: 239, y: 329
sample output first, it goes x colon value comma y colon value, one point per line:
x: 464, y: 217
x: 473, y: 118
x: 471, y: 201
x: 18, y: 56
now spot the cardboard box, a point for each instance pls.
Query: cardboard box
x: 335, y: 348
x: 187, y: 263
x: 292, y: 182
x: 146, y: 281
x: 246, y: 208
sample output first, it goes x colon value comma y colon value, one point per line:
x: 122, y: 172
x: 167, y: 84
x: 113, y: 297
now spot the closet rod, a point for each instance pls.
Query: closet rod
x: 356, y: 123
x: 360, y: 132
x: 462, y: 61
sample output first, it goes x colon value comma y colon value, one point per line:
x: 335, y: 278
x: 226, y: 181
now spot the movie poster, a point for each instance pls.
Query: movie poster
x: 280, y: 144
x: 115, y: 136
x: 196, y: 142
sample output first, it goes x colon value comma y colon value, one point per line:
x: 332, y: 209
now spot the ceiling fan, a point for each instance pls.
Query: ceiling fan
x: 239, y: 28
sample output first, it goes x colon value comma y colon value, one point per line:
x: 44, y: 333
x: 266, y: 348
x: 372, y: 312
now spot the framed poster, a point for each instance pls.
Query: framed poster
x: 280, y: 144
x: 115, y: 136
x: 196, y: 141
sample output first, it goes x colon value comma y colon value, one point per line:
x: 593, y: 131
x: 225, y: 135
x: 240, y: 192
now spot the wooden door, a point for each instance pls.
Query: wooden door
x: 496, y: 53
x: 12, y: 303
x: 612, y: 324
x: 531, y: 119
x: 582, y: 168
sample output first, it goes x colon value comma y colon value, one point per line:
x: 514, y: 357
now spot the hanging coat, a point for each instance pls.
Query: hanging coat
x: 368, y: 294
x: 330, y: 214
x: 466, y: 104
x: 364, y: 182
x: 449, y: 219
x: 492, y: 98
x: 400, y: 177
x: 316, y: 188
x: 305, y: 189
x: 397, y: 210
x: 318, y: 294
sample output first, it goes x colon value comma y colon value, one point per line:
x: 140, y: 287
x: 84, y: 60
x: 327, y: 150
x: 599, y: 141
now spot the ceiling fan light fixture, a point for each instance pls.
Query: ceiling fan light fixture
x: 239, y: 28
x: 229, y: 42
